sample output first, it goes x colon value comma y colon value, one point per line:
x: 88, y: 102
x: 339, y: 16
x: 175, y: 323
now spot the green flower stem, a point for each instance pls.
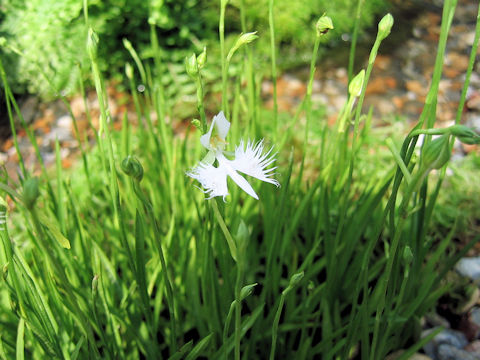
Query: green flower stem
x: 10, y: 117
x: 221, y: 31
x: 276, y: 321
x: 412, y: 187
x: 356, y: 26
x: 399, y: 161
x: 471, y: 62
x: 12, y: 271
x: 148, y: 209
x: 200, y: 102
x: 308, y: 103
x: 71, y: 301
x: 158, y: 74
x: 238, y: 307
x: 228, y: 320
x: 271, y: 25
x: 226, y: 232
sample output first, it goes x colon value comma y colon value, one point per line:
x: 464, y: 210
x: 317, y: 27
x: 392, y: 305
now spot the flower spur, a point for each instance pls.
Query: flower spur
x: 249, y: 159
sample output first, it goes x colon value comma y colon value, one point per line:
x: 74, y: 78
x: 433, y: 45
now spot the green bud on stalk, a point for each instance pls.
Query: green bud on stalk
x: 92, y: 43
x: 465, y: 134
x: 385, y: 26
x: 356, y: 85
x: 191, y: 65
x: 247, y: 291
x: 243, y: 39
x: 436, y: 153
x: 129, y: 70
x: 202, y: 58
x: 197, y: 124
x: 30, y: 192
x: 324, y: 24
x: 132, y: 167
x: 407, y: 255
x: 294, y: 280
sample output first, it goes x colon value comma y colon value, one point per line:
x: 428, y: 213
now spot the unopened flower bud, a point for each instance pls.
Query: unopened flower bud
x: 191, y: 65
x: 30, y: 192
x: 129, y: 70
x: 465, y: 134
x: 385, y: 26
x: 407, y: 255
x: 127, y: 44
x: 3, y: 41
x: 92, y: 43
x: 436, y: 153
x: 294, y: 280
x: 324, y: 24
x: 132, y: 167
x: 242, y: 236
x: 197, y: 124
x: 202, y: 58
x: 246, y: 291
x: 247, y: 38
x: 356, y: 85
x: 242, y: 40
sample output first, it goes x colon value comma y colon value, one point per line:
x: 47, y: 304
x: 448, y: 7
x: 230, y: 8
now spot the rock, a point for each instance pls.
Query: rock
x: 3, y: 158
x: 29, y: 109
x: 416, y: 87
x: 473, y: 102
x: 475, y: 316
x: 65, y: 122
x: 458, y: 61
x: 416, y: 356
x: 469, y: 267
x: 448, y: 337
x: 380, y: 85
x: 474, y: 348
x: 450, y: 352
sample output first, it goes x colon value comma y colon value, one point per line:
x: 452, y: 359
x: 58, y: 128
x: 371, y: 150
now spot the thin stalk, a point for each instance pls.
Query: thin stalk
x: 221, y: 31
x: 148, y: 209
x: 200, y: 103
x: 356, y: 26
x: 227, y: 326
x: 238, y: 307
x: 471, y: 62
x: 276, y: 321
x: 308, y: 104
x: 226, y: 232
x: 271, y: 25
x: 10, y: 117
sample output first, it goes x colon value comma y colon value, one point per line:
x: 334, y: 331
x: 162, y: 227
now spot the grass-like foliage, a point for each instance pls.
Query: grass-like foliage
x: 124, y: 258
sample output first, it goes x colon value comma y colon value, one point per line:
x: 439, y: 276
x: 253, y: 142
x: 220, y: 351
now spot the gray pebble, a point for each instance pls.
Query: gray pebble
x: 446, y: 336
x: 449, y: 352
x: 469, y: 267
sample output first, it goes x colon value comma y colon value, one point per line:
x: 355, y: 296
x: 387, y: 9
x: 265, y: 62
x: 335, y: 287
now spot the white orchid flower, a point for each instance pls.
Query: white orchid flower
x: 248, y: 159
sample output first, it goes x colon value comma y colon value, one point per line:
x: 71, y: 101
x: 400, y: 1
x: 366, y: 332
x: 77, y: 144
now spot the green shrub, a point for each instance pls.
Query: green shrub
x: 51, y: 36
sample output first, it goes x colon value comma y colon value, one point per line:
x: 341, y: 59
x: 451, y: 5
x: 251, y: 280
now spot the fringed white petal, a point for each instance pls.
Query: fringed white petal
x: 243, y: 184
x: 251, y: 161
x: 213, y: 180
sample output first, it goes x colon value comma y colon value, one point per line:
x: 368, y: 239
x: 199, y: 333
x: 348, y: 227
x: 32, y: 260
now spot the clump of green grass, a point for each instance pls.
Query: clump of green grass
x: 124, y: 258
